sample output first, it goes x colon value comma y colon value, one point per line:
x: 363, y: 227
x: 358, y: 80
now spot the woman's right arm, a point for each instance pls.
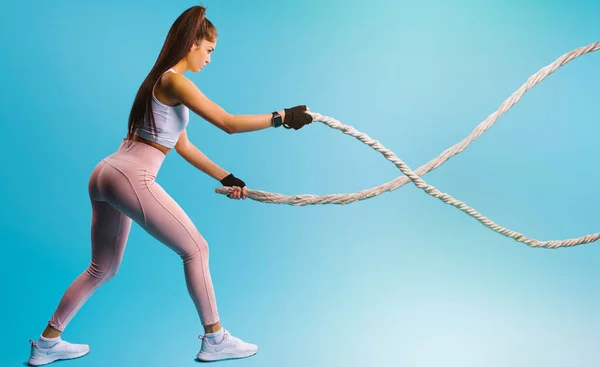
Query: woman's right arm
x: 186, y: 92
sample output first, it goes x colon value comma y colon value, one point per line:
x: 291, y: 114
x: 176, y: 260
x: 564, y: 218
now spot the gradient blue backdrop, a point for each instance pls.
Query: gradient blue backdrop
x: 401, y: 279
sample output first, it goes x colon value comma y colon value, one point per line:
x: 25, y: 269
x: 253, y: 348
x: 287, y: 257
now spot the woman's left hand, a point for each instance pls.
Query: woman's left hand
x: 238, y: 193
x: 239, y: 186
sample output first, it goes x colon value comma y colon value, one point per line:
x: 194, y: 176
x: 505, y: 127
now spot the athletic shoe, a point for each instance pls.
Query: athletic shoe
x: 59, y: 350
x: 229, y: 348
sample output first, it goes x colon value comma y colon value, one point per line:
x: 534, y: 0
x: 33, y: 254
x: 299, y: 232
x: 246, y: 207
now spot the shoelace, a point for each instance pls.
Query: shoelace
x: 226, y: 335
x: 229, y: 336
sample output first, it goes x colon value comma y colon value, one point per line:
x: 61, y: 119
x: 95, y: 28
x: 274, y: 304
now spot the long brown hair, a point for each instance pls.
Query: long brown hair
x: 191, y: 26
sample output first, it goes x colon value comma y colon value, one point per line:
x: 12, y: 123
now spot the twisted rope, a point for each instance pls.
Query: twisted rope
x: 409, y: 175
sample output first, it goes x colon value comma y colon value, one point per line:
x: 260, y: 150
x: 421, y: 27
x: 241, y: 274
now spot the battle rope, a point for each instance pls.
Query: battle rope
x: 308, y: 199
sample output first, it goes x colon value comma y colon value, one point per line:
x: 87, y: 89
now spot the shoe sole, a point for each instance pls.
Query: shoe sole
x: 40, y: 361
x: 211, y: 357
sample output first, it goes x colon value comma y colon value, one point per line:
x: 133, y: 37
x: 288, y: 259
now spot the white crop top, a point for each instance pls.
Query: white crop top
x: 170, y: 122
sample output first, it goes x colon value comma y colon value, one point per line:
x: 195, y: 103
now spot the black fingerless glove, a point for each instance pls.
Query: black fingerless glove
x: 296, y: 117
x: 231, y: 180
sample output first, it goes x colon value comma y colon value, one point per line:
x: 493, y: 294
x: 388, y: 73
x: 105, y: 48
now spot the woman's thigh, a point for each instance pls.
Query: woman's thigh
x: 133, y: 191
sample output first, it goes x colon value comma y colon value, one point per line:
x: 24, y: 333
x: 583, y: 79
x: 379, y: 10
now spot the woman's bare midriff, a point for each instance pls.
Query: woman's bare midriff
x: 162, y: 148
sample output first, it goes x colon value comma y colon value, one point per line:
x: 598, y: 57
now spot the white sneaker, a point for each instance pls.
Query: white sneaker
x: 61, y: 350
x: 229, y: 348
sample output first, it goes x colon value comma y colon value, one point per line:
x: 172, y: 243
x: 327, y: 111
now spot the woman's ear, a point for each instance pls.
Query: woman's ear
x: 195, y: 46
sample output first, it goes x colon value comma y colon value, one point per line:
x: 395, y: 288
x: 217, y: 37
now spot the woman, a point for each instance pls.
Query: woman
x: 123, y: 189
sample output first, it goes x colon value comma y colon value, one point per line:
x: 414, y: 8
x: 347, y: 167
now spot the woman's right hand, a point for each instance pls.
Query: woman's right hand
x: 296, y: 117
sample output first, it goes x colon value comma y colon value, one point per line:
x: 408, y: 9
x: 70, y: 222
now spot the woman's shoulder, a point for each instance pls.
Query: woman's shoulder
x: 179, y: 88
x: 171, y: 81
x: 168, y: 86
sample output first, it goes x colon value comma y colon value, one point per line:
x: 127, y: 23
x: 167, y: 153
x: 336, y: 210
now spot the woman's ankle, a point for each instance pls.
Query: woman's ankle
x: 209, y: 329
x: 51, y: 332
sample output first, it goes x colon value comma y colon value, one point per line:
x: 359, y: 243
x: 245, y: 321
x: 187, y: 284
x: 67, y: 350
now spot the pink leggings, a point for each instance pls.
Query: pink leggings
x: 122, y: 187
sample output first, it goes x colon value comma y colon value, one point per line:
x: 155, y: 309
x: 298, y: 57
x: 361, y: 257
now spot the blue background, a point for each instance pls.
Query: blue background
x: 401, y: 279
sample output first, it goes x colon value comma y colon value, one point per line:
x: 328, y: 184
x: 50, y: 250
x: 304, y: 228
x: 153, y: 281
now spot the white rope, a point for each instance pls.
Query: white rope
x: 308, y: 199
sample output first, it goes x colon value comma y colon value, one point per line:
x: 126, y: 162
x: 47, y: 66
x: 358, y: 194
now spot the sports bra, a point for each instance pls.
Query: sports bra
x: 170, y: 121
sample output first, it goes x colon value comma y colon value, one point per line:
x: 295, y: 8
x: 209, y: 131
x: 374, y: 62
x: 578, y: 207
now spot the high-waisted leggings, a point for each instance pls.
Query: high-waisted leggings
x: 122, y: 188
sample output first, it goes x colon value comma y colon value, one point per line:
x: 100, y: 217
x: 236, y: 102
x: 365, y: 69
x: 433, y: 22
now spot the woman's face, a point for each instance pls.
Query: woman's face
x: 199, y: 55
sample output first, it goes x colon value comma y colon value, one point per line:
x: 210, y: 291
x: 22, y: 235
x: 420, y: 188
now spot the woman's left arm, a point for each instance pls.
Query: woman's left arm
x: 197, y: 159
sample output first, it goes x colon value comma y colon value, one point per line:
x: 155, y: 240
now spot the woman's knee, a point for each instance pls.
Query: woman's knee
x: 199, y: 248
x: 102, y: 272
